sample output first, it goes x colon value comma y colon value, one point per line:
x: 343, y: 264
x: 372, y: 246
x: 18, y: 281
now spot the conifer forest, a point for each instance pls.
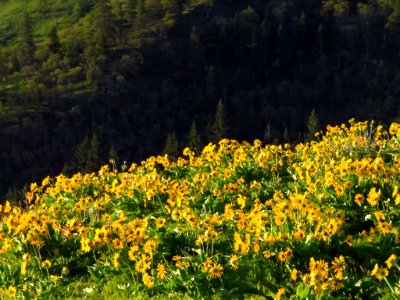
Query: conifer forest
x: 83, y: 82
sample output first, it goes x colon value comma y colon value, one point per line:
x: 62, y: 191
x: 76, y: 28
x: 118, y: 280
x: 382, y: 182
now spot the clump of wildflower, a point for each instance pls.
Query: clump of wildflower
x: 148, y: 280
x: 286, y: 255
x: 379, y: 273
x: 373, y: 196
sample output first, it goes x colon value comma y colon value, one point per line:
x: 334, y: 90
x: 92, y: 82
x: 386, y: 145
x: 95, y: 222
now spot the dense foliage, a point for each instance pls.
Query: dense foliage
x: 320, y: 219
x: 132, y: 73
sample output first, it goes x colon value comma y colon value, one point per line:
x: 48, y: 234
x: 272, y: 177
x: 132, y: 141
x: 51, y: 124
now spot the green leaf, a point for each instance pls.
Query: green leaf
x: 302, y: 291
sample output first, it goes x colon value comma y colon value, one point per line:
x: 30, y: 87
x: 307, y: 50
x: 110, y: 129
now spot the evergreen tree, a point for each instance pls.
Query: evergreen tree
x: 267, y: 133
x: 194, y: 141
x: 140, y: 15
x: 79, y: 158
x: 86, y: 156
x: 286, y: 134
x: 113, y: 154
x: 95, y: 57
x: 93, y: 156
x: 218, y: 129
x: 171, y: 146
x: 104, y: 25
x: 54, y: 42
x: 28, y: 47
x: 172, y: 10
x: 312, y: 125
x: 128, y: 11
x: 113, y: 157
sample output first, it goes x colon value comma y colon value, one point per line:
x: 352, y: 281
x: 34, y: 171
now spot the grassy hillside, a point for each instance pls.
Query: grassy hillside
x: 133, y: 73
x: 45, y: 14
x: 318, y: 220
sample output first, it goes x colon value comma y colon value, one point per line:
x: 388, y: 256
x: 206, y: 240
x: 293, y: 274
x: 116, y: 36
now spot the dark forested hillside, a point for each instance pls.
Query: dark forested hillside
x: 83, y: 81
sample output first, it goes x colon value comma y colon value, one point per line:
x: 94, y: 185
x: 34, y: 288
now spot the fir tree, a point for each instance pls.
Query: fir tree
x: 286, y: 134
x: 93, y: 156
x: 218, y: 129
x: 28, y: 47
x: 267, y: 133
x: 113, y: 154
x: 113, y: 157
x: 312, y: 125
x: 54, y: 42
x: 86, y: 157
x: 172, y: 10
x: 194, y: 141
x: 79, y: 158
x: 140, y: 15
x: 171, y: 146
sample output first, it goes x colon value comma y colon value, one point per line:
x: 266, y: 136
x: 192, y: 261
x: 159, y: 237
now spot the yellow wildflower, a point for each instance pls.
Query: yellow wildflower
x: 280, y: 293
x: 117, y: 244
x: 294, y: 274
x: 23, y: 267
x: 132, y: 252
x: 160, y: 222
x: 64, y: 270
x: 284, y: 256
x: 85, y: 244
x: 148, y: 280
x: 161, y: 272
x: 299, y: 235
x: 373, y: 196
x: 215, y: 271
x: 266, y: 254
x: 241, y: 200
x: 390, y: 260
x: 11, y: 291
x: 116, y: 260
x: 45, y: 264
x: 233, y: 262
x: 359, y: 199
x: 397, y: 199
x: 379, y: 273
x: 338, y: 264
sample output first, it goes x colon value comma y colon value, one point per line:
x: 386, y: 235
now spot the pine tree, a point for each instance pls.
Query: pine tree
x: 128, y: 11
x: 113, y: 154
x: 267, y: 133
x: 104, y: 25
x: 172, y: 10
x: 171, y: 146
x: 218, y: 129
x: 286, y: 134
x: 113, y: 157
x: 312, y: 125
x: 140, y: 14
x: 95, y: 57
x: 79, y: 158
x: 93, y: 156
x: 194, y: 141
x: 54, y: 42
x: 86, y: 156
x: 28, y: 47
